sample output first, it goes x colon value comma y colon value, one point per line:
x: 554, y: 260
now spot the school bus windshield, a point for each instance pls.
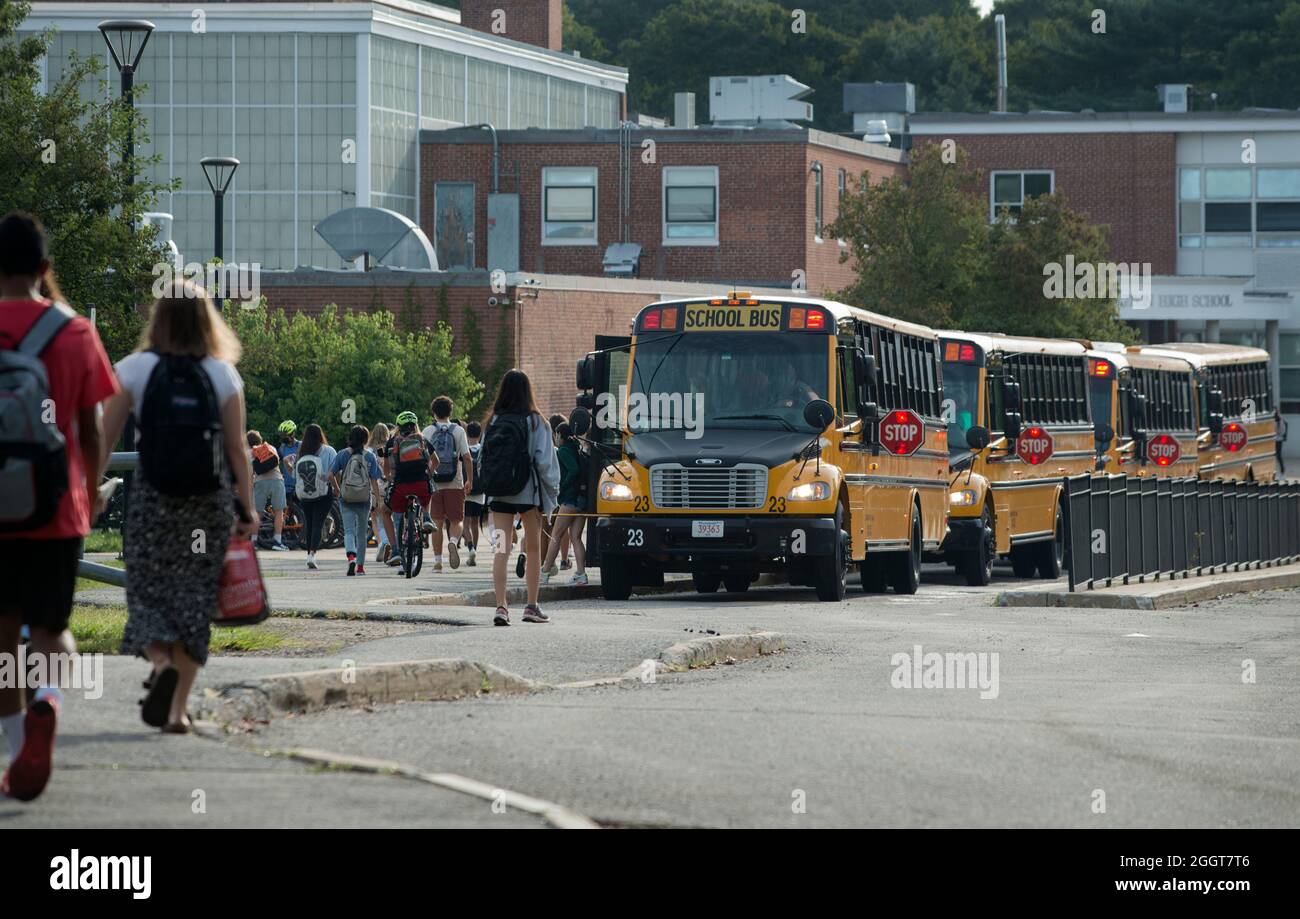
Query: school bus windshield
x: 961, y: 387
x: 748, y: 380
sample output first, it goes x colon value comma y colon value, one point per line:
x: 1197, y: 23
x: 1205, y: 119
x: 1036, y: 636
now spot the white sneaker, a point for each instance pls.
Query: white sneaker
x: 311, y: 561
x: 545, y: 578
x: 453, y: 554
x: 279, y: 547
x: 437, y: 566
x: 579, y: 580
x: 470, y: 562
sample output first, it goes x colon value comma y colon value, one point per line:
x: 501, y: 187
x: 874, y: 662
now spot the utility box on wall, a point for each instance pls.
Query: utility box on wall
x: 503, y: 233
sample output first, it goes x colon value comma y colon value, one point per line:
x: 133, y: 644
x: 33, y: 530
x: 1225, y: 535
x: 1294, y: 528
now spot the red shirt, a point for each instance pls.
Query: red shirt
x: 80, y: 377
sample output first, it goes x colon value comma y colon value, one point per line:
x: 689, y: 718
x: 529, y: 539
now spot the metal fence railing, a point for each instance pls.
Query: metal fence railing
x: 1124, y: 529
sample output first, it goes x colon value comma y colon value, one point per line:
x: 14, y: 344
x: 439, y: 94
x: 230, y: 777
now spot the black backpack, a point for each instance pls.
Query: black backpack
x: 182, y: 451
x: 505, y: 462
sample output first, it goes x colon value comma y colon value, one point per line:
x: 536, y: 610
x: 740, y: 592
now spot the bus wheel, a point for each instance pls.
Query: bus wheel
x: 830, y: 574
x: 1051, y: 555
x: 737, y: 583
x: 1024, y: 560
x: 872, y: 569
x: 615, y: 579
x: 977, y: 565
x: 905, y: 573
x: 706, y: 582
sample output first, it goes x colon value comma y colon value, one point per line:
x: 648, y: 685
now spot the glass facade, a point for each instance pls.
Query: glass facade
x: 285, y: 105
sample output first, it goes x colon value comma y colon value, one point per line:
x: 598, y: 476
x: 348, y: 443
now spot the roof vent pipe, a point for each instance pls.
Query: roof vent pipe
x: 496, y: 155
x: 1000, y: 27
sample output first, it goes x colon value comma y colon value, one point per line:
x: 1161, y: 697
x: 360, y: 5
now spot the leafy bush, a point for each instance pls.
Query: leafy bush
x: 339, y: 369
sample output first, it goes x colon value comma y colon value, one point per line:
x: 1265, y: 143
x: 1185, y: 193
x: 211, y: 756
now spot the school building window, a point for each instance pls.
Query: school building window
x: 569, y: 206
x: 1008, y: 191
x: 690, y: 205
x: 818, y: 214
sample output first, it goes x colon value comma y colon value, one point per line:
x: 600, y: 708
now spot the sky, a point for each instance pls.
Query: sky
x: 982, y: 5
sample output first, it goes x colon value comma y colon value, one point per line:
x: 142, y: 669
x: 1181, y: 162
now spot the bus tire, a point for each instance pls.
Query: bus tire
x: 830, y: 574
x: 1024, y: 560
x: 872, y: 569
x: 977, y: 566
x: 706, y: 582
x: 615, y: 579
x: 737, y: 583
x: 905, y: 567
x: 1051, y: 554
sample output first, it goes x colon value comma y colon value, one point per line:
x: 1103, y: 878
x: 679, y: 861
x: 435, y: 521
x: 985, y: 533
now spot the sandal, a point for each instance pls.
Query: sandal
x: 155, y: 707
x: 502, y: 617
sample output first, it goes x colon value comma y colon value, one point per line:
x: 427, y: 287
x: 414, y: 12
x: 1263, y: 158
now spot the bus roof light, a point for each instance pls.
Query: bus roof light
x: 816, y: 320
x: 651, y: 319
x: 797, y: 314
x: 967, y: 354
x: 1101, y: 368
x: 670, y: 318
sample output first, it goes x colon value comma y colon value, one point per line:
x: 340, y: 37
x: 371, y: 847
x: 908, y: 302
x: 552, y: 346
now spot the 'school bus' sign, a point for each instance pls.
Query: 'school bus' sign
x: 764, y: 317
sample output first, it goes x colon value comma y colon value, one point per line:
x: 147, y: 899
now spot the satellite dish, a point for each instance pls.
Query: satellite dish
x: 386, y: 237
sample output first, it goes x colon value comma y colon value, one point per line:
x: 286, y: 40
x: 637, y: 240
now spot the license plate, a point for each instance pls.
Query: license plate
x: 706, y: 529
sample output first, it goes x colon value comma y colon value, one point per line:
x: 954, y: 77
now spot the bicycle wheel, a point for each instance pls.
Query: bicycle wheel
x: 412, y: 539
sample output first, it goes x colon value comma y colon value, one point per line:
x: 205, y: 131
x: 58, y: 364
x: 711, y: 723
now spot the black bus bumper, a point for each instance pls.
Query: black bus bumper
x: 964, y: 534
x: 667, y: 541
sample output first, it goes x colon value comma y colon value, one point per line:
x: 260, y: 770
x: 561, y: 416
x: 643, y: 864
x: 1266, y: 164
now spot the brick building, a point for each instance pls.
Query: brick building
x: 1209, y: 200
x: 716, y: 204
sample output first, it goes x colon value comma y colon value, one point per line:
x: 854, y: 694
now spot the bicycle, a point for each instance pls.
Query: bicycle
x: 412, y: 537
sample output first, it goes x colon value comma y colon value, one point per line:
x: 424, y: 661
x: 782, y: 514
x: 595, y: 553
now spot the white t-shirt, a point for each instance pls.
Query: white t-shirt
x: 460, y: 444
x: 135, y: 369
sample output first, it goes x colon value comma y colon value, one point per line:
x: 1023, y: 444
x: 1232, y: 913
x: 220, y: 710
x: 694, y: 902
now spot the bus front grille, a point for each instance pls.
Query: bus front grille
x: 675, y: 486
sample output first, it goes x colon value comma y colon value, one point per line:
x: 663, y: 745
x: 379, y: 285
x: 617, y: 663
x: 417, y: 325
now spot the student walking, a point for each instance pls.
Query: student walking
x: 520, y: 476
x: 385, y: 538
x: 312, y: 475
x: 453, y: 475
x: 475, y: 509
x: 268, y: 485
x: 570, y: 520
x: 356, y: 476
x: 49, y: 356
x: 188, y: 402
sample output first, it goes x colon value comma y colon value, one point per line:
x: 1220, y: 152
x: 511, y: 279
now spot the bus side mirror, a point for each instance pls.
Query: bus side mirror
x: 1214, y: 402
x: 1102, y: 435
x: 1216, y: 423
x: 1011, y: 396
x: 977, y: 438
x: 580, y: 421
x: 1011, y: 425
x: 819, y: 414
x: 585, y: 373
x: 864, y: 372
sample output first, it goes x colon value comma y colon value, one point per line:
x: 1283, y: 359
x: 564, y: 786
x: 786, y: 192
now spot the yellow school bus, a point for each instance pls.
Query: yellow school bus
x: 1018, y: 423
x: 767, y: 434
x: 1237, y: 414
x: 1147, y: 403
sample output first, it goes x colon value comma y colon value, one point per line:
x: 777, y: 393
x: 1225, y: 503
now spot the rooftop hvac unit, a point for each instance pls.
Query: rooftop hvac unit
x: 1173, y: 96
x: 750, y: 100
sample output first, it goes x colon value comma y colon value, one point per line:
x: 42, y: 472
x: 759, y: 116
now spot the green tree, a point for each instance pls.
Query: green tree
x: 583, y: 39
x: 918, y: 244
x: 925, y: 251
x: 65, y: 163
x: 337, y: 366
x: 1011, y: 295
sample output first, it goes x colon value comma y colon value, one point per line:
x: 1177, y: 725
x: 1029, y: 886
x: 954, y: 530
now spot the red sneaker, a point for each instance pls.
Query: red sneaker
x: 27, y: 775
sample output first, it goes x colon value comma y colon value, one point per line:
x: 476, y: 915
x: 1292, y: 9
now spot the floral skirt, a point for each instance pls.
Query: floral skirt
x: 175, y: 549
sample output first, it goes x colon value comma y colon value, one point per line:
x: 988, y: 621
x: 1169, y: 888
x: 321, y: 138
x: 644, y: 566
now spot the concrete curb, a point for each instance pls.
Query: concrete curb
x: 371, y: 684
x: 694, y: 654
x: 1158, y: 595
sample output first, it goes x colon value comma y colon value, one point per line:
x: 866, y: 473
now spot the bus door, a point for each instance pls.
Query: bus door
x: 855, y: 388
x: 600, y: 376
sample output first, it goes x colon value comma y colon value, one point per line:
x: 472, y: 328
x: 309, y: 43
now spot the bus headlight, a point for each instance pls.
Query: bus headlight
x: 615, y: 491
x: 964, y: 498
x: 811, y: 491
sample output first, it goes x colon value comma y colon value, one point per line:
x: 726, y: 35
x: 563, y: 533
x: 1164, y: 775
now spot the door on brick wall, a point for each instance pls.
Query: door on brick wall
x: 453, y: 225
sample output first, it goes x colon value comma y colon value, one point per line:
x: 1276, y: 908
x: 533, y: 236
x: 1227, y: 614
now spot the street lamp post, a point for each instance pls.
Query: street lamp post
x: 219, y: 170
x: 126, y: 40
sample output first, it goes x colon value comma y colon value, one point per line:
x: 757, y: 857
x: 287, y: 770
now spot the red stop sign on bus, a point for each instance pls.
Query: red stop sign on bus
x: 1163, y: 450
x: 902, y: 432
x: 1233, y: 436
x: 1034, y: 445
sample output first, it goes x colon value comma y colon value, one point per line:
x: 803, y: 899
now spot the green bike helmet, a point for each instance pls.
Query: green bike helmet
x: 287, y: 427
x: 405, y: 418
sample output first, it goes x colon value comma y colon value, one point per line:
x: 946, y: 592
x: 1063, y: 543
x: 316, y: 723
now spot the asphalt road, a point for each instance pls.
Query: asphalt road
x: 1097, y: 718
